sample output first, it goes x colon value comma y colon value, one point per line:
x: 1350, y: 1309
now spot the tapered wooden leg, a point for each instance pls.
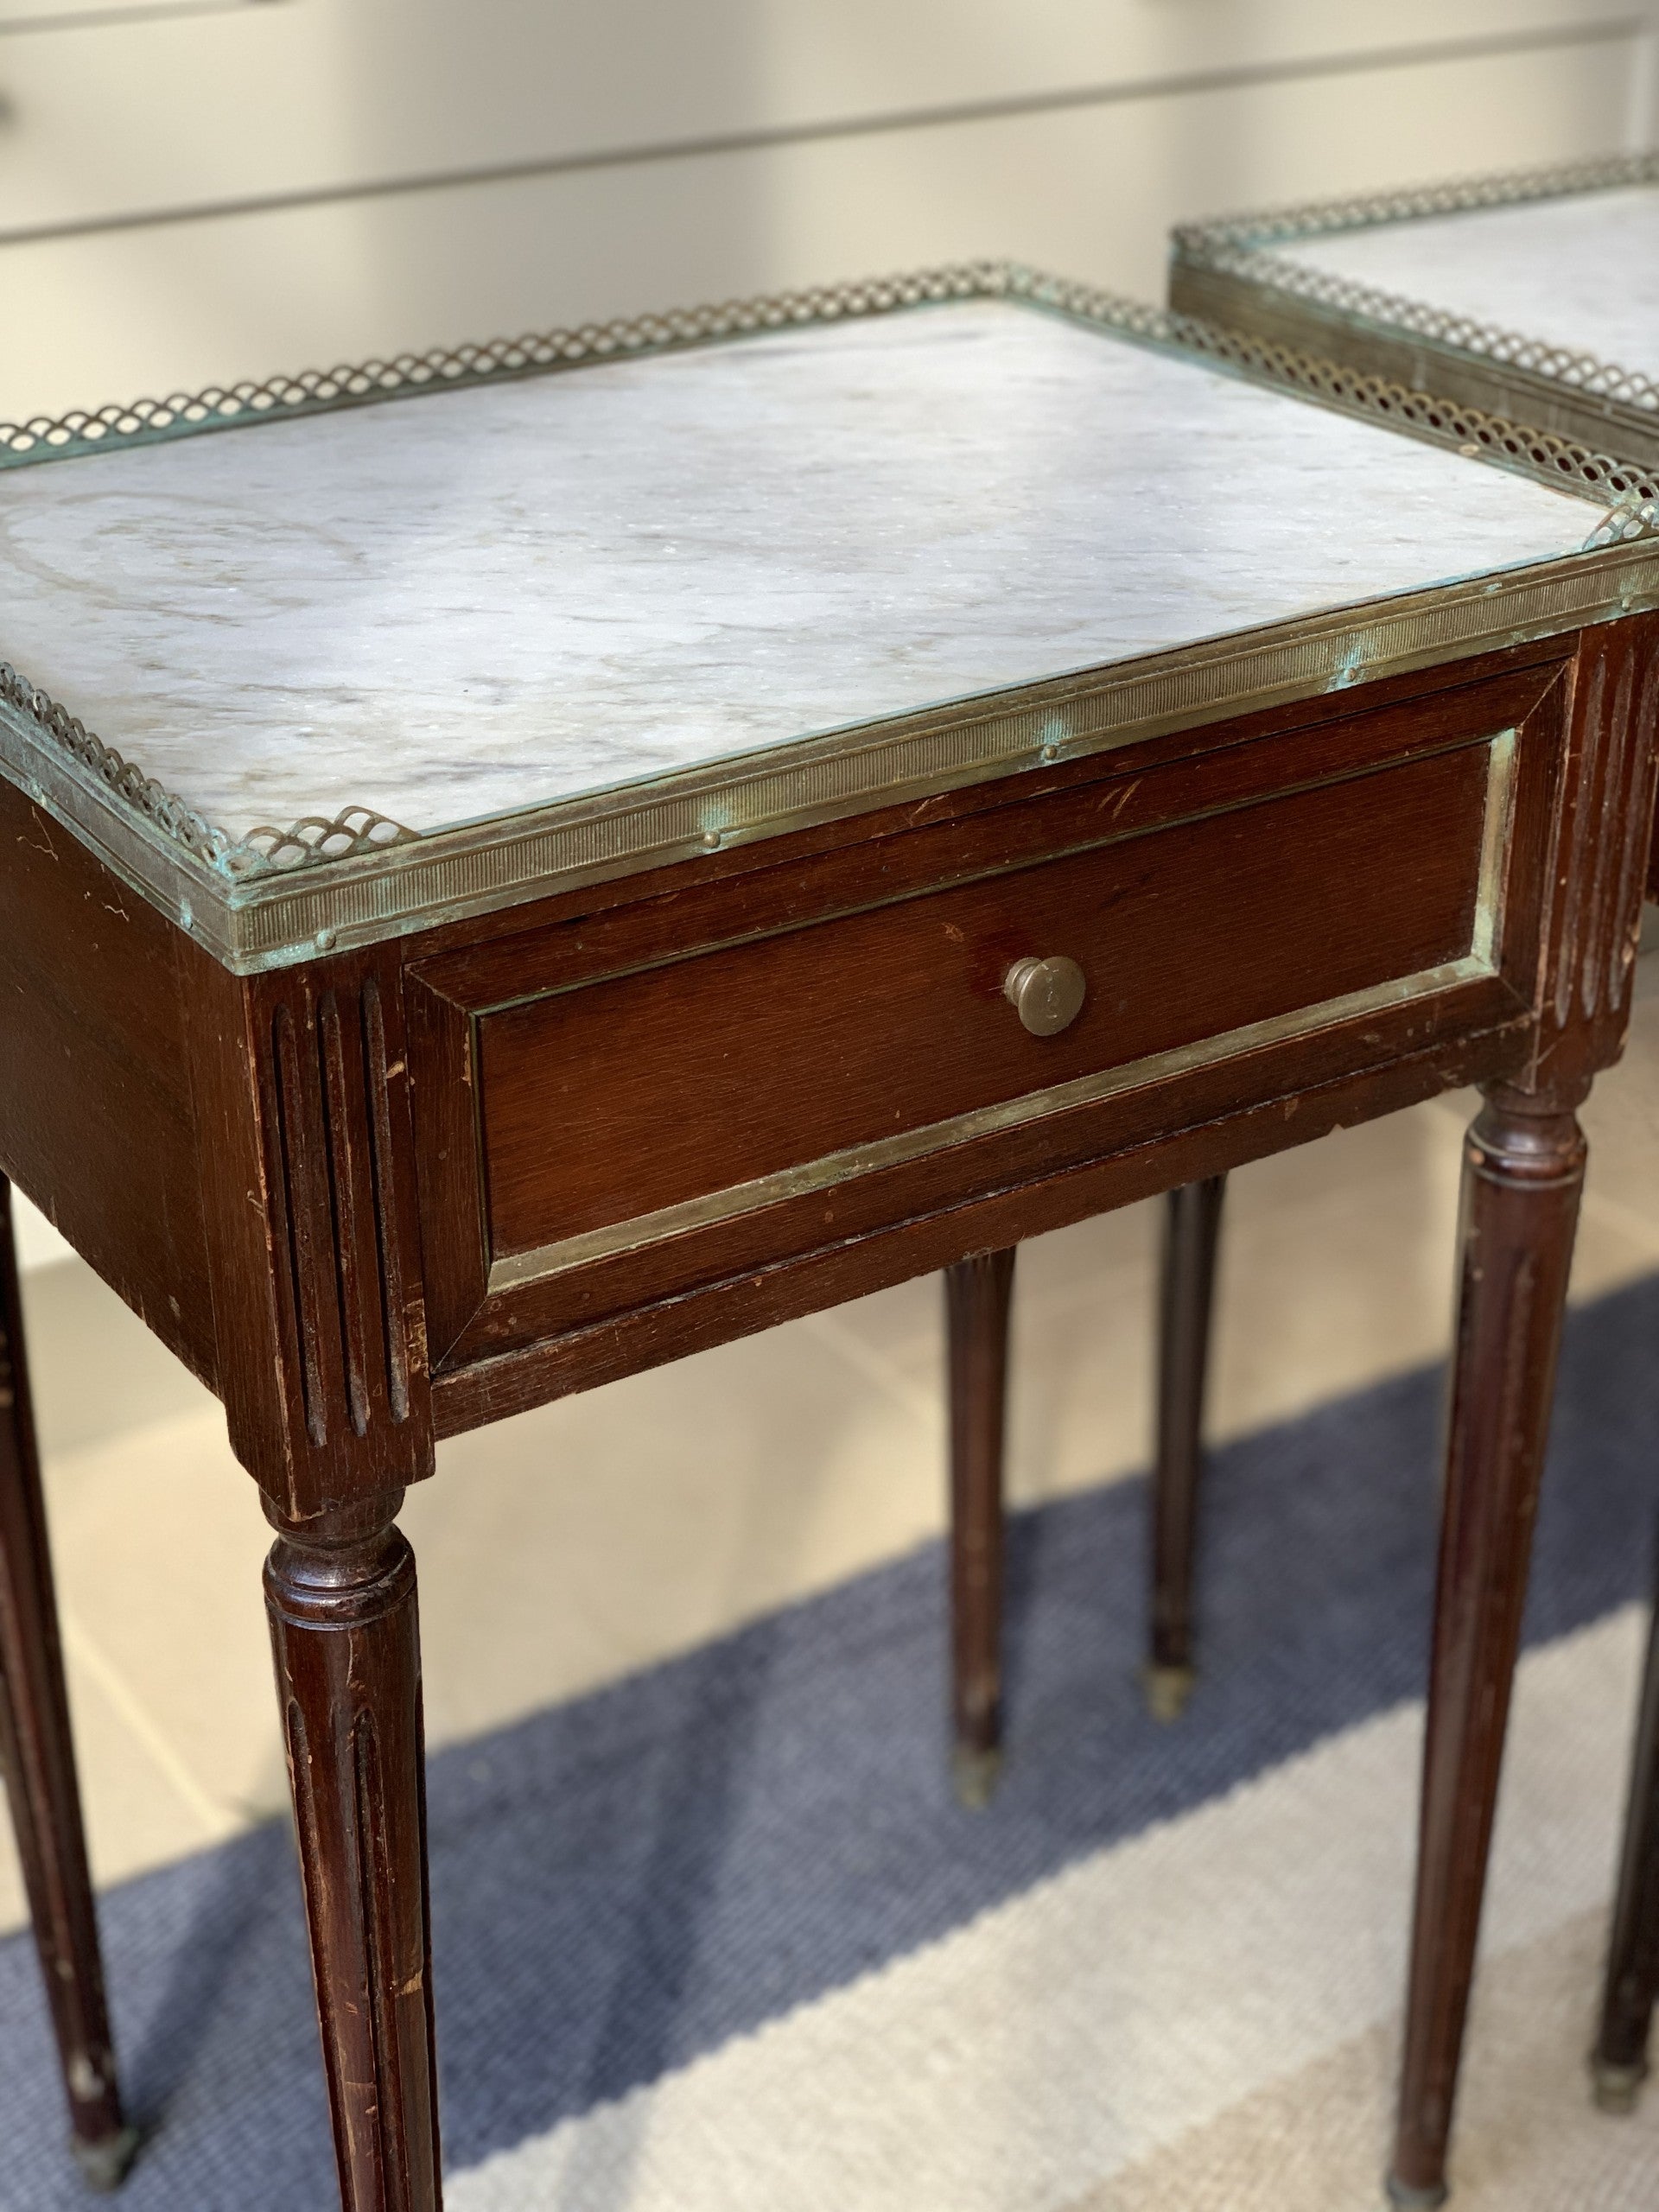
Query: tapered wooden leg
x: 1192, y: 1231
x: 341, y: 1593
x: 1618, y: 2064
x: 1523, y: 1168
x: 978, y: 1292
x: 40, y: 1767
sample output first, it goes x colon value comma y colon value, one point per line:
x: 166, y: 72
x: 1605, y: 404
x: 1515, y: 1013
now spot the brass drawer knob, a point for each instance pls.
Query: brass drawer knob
x: 1047, y: 994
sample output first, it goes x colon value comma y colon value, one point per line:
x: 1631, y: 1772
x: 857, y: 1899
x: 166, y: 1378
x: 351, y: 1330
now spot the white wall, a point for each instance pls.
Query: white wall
x: 816, y: 138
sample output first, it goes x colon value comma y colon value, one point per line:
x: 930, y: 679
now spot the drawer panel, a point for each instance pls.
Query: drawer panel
x: 642, y: 1105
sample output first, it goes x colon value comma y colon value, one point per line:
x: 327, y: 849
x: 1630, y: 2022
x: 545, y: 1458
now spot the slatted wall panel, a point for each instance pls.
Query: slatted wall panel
x: 199, y: 190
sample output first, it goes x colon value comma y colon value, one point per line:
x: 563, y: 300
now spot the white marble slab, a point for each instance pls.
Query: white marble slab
x: 1582, y: 272
x: 450, y: 609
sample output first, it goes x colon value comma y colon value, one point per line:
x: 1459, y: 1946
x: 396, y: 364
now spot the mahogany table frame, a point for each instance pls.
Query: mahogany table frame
x: 277, y: 1164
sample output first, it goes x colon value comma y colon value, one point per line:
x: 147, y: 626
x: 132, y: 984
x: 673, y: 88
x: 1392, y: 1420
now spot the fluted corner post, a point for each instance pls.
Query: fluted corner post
x: 1618, y: 2064
x: 1191, y: 1236
x: 37, y: 1753
x: 978, y: 1291
x: 341, y: 1593
x: 1523, y: 1171
x: 310, y: 1186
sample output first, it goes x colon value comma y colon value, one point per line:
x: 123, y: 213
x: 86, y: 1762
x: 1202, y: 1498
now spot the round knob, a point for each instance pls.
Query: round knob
x: 1047, y: 994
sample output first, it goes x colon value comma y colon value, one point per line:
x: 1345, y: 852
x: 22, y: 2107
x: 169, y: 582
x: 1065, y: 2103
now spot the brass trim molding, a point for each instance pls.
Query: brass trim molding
x: 280, y: 895
x: 1447, y: 196
x: 543, y: 1262
x: 273, y: 921
x: 546, y: 1261
x: 1240, y: 247
x: 498, y: 360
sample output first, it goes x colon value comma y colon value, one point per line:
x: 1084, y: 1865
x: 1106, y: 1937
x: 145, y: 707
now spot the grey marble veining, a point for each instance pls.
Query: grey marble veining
x: 455, y: 607
x: 1581, y: 272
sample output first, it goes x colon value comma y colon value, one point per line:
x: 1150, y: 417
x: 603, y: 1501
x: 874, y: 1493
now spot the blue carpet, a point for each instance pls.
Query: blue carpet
x: 624, y: 1882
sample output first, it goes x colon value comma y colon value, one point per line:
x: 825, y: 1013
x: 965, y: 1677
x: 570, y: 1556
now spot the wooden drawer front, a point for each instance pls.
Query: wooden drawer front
x: 644, y: 1105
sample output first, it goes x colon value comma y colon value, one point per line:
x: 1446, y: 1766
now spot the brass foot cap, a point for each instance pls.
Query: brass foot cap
x: 104, y: 2165
x: 1616, y: 2088
x: 974, y: 1776
x: 1405, y: 2197
x: 1168, y: 1689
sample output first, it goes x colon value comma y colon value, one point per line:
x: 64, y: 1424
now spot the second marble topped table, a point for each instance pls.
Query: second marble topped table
x: 1535, y: 292
x: 580, y: 866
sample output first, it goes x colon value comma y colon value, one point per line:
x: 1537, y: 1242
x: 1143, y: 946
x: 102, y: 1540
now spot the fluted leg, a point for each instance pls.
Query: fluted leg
x: 38, y: 1761
x: 1523, y: 1168
x: 977, y: 1291
x: 1191, y: 1232
x: 1620, y: 2062
x: 341, y: 1593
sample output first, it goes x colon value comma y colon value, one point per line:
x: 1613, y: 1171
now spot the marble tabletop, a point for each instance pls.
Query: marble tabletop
x: 454, y: 607
x: 1581, y: 272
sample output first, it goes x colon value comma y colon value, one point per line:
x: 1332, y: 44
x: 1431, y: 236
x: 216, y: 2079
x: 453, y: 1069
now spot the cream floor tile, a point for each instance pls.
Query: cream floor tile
x: 597, y: 1534
x: 145, y: 1503
x: 142, y: 1808
x: 1336, y: 1271
x: 1622, y: 1117
x: 1395, y: 1172
x: 557, y: 1551
x: 98, y: 1372
x: 1082, y: 1346
x: 1327, y: 1292
x: 39, y: 1243
x: 900, y: 1330
x: 159, y: 1541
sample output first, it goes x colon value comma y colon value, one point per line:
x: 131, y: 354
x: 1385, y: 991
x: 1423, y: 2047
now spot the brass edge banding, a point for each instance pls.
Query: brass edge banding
x: 1581, y: 397
x: 276, y: 921
x: 118, y: 428
x: 522, y: 1270
x: 581, y: 841
x: 1494, y: 849
x: 1450, y: 196
x: 253, y: 916
x: 161, y: 869
x: 1591, y: 393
